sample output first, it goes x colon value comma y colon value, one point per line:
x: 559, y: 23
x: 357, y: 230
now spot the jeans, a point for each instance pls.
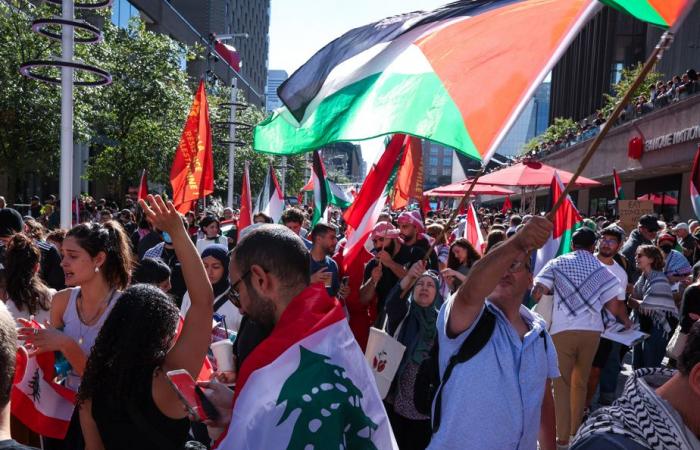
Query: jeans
x: 651, y: 351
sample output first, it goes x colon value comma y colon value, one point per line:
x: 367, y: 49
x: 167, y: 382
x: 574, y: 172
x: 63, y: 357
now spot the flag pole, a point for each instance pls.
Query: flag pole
x: 654, y: 57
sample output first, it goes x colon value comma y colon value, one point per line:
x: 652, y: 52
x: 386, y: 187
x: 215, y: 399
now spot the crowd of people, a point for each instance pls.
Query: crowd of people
x: 660, y: 95
x: 127, y: 297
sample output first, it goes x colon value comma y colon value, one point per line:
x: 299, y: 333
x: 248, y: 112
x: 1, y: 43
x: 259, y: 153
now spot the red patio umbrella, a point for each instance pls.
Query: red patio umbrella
x: 531, y: 173
x: 460, y: 188
x: 659, y: 200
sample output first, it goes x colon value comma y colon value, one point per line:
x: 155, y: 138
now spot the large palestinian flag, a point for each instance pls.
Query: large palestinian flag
x: 308, y: 386
x: 458, y: 76
x: 662, y: 13
x: 566, y: 221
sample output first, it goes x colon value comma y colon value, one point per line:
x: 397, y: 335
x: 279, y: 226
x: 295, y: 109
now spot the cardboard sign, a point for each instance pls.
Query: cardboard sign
x: 631, y: 210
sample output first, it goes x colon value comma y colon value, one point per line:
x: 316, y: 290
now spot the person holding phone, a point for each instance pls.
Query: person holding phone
x: 125, y: 398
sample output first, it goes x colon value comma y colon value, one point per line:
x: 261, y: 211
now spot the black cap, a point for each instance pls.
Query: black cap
x: 584, y: 237
x: 650, y: 222
x: 10, y: 222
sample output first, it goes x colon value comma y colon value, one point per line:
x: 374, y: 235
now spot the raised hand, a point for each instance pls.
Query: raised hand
x: 534, y: 234
x: 162, y: 215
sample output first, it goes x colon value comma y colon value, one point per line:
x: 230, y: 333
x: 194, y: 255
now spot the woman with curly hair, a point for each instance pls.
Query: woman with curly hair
x: 460, y: 259
x: 27, y: 294
x: 97, y: 261
x: 125, y: 398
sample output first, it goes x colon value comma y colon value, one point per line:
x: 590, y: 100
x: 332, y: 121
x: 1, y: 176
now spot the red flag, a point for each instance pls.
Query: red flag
x: 143, y: 186
x: 192, y: 174
x: 425, y: 206
x: 40, y: 403
x: 507, y: 205
x: 472, y: 230
x: 245, y: 216
x: 409, y: 179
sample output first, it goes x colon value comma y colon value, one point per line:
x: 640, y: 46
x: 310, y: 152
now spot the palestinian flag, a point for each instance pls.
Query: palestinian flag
x: 270, y: 201
x: 369, y: 203
x: 617, y: 186
x: 339, y: 197
x: 695, y: 184
x: 308, y: 385
x: 662, y: 13
x: 325, y: 191
x: 458, y: 76
x: 40, y: 403
x: 566, y: 221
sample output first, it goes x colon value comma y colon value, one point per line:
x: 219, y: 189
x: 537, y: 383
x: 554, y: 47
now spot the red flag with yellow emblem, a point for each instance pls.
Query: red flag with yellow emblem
x: 192, y: 174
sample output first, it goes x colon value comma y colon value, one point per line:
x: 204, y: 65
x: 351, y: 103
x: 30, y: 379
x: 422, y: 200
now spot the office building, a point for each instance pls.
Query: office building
x: 274, y: 79
x: 532, y: 121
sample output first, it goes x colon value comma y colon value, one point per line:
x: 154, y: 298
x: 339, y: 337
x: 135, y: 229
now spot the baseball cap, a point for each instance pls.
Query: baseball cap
x: 681, y: 226
x: 667, y: 237
x: 650, y: 222
x: 10, y: 222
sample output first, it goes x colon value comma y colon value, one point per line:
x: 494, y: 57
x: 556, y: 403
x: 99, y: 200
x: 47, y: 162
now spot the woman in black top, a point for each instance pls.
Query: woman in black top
x: 125, y: 399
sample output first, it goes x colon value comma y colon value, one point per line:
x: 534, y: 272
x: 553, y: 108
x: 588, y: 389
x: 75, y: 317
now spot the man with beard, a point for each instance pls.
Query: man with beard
x: 323, y: 269
x: 414, y: 238
x: 391, y: 258
x: 608, y: 245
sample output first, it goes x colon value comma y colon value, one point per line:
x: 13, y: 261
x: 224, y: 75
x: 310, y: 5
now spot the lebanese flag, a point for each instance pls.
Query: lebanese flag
x: 438, y: 75
x: 192, y: 174
x: 44, y: 406
x: 143, y: 186
x: 308, y: 385
x: 409, y: 179
x: 270, y: 201
x: 507, y: 205
x: 566, y: 221
x: 617, y: 186
x: 695, y: 184
x: 472, y: 230
x: 364, y: 211
x: 245, y: 216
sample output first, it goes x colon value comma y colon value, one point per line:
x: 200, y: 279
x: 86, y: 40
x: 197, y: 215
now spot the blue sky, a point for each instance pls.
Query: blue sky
x: 299, y: 28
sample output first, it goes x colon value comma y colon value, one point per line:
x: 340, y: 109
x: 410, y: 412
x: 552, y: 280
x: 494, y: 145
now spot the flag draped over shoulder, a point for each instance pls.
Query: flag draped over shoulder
x: 695, y: 184
x: 270, y: 200
x: 617, y: 186
x: 364, y: 212
x: 41, y: 404
x: 308, y: 386
x: 192, y: 173
x: 458, y: 76
x: 662, y: 13
x: 566, y: 221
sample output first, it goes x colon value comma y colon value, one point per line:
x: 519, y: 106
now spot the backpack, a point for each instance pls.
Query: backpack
x: 428, y: 386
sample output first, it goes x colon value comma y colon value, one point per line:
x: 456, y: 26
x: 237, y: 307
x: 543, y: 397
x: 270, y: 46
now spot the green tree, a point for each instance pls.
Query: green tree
x: 137, y: 120
x: 331, y: 412
x: 557, y: 130
x: 627, y: 77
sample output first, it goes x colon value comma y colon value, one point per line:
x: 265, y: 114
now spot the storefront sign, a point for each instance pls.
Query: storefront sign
x: 678, y: 137
x: 631, y: 210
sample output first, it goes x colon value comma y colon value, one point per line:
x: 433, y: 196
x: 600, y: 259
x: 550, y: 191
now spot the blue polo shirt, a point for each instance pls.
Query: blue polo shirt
x: 494, y: 400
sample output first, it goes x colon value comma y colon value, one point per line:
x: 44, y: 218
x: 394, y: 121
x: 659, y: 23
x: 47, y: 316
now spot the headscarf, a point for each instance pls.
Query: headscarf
x: 219, y: 252
x: 419, y: 330
x: 414, y: 218
x: 385, y: 230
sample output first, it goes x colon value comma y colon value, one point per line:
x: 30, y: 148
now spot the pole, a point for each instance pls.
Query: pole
x: 66, y: 183
x: 283, y: 176
x: 231, y: 145
x: 656, y: 55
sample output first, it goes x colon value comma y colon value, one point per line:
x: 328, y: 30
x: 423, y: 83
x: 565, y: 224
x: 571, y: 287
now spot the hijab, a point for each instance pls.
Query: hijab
x: 219, y: 252
x: 419, y: 329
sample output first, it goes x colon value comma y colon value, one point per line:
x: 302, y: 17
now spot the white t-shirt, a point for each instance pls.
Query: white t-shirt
x: 203, y: 243
x: 621, y: 275
x: 232, y: 314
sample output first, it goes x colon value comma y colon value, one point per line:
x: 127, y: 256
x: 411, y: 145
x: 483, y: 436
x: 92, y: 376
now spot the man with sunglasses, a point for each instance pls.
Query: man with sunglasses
x: 582, y: 287
x: 501, y: 397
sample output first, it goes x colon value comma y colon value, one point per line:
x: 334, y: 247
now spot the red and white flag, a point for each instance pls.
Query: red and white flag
x: 308, y: 385
x: 143, y: 186
x: 41, y: 404
x: 472, y: 229
x: 364, y: 211
x: 245, y: 216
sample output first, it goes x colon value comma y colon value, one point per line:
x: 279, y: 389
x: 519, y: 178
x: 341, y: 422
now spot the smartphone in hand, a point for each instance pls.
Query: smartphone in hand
x: 196, y: 403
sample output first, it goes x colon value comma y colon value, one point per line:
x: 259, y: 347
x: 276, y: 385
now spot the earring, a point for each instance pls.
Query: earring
x: 97, y: 269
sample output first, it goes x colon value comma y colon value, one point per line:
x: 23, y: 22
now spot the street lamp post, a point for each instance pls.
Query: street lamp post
x: 232, y: 141
x: 66, y: 184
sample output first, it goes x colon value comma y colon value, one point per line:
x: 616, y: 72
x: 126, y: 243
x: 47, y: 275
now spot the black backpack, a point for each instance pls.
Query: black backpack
x: 428, y: 384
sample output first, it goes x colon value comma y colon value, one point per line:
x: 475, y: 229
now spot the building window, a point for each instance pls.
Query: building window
x: 433, y: 161
x: 433, y: 171
x: 447, y: 171
x: 433, y: 151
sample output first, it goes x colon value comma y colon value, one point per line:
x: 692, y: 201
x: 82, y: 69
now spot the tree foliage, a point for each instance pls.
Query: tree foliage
x: 627, y: 77
x: 558, y: 130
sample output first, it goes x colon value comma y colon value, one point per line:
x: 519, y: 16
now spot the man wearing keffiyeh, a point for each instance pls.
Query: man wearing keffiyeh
x: 581, y: 286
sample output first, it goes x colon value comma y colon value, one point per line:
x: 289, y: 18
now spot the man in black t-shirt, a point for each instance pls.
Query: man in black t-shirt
x: 8, y: 354
x: 414, y: 238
